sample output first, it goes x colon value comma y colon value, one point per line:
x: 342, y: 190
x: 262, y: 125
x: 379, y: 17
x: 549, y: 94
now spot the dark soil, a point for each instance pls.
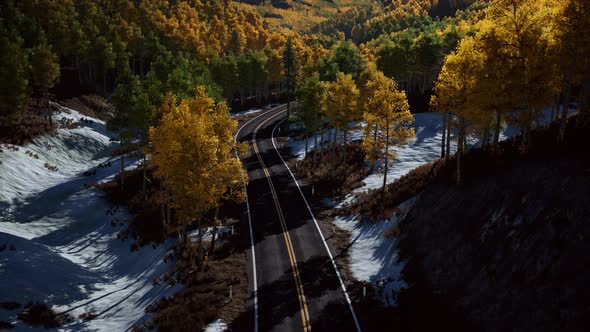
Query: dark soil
x: 39, y: 314
x: 146, y: 225
x: 335, y: 172
x: 91, y: 105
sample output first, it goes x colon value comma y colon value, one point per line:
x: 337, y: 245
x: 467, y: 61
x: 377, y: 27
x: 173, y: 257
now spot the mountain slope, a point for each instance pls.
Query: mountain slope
x: 506, y: 250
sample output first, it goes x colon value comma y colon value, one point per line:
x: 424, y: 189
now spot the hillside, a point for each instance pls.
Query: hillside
x: 59, y: 237
x: 504, y: 250
x: 301, y: 15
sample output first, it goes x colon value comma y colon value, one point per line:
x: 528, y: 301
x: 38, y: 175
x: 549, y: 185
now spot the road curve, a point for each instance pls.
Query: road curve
x: 293, y: 283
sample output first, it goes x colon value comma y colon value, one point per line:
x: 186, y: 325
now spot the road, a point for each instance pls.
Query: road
x: 294, y: 284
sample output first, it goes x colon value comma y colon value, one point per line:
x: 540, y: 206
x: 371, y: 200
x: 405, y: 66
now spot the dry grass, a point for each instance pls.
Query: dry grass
x: 336, y: 172
x: 205, y: 296
x: 146, y: 225
x: 91, y: 105
x: 22, y: 128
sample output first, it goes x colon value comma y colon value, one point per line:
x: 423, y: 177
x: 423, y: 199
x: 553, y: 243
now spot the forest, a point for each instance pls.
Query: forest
x: 174, y: 73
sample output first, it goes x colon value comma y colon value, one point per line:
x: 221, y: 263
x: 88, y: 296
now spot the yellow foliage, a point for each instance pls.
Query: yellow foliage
x: 387, y: 114
x: 192, y: 150
x: 340, y: 103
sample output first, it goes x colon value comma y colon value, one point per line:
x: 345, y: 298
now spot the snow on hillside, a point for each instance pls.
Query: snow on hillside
x: 66, y: 251
x: 246, y: 112
x: 373, y: 257
x: 423, y: 149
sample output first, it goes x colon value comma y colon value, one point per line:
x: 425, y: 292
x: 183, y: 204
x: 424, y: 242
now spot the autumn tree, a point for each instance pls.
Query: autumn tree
x: 455, y: 89
x: 388, y: 118
x: 571, y: 25
x: 520, y: 26
x: 340, y: 103
x: 193, y: 153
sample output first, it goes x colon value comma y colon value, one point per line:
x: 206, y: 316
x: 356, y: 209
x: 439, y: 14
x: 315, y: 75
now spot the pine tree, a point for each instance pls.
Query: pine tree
x: 45, y: 73
x: 290, y: 69
x: 309, y: 96
x: 13, y: 78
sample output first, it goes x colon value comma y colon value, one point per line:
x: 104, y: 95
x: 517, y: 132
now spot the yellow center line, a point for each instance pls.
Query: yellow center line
x: 291, y: 252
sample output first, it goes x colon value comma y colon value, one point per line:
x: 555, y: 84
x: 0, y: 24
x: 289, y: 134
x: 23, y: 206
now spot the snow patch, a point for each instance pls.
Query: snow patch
x: 246, y: 112
x: 374, y: 258
x: 216, y: 326
x: 67, y: 252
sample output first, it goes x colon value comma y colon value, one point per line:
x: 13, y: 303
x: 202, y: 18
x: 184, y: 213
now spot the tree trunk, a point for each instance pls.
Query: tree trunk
x: 144, y: 177
x: 79, y: 70
x: 306, y: 142
x: 564, y: 111
x: 553, y: 109
x: 444, y: 136
x: 48, y: 107
x: 585, y: 105
x: 122, y: 176
x: 386, y: 156
x: 322, y: 141
x: 448, y: 137
x: 163, y: 206
x: 460, y: 148
x: 141, y: 65
x: 345, y: 136
x: 200, y: 241
x: 288, y: 106
x: 213, y: 236
x: 315, y: 148
x: 168, y: 206
x: 485, y: 138
x: 498, y: 127
x: 104, y: 82
x: 374, y: 147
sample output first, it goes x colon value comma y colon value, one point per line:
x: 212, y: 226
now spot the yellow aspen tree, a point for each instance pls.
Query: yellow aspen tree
x: 570, y: 25
x: 370, y: 142
x: 526, y: 44
x: 455, y: 89
x: 340, y: 103
x: 192, y: 150
x: 388, y: 116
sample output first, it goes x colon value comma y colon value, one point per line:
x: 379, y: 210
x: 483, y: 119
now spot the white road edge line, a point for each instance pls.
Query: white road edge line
x: 356, y: 322
x: 255, y: 279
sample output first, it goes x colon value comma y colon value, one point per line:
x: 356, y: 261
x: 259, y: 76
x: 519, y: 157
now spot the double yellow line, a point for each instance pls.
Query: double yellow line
x: 292, y: 258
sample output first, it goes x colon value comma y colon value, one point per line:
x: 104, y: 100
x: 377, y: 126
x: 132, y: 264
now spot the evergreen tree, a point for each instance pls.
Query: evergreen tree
x: 45, y: 72
x: 290, y: 69
x: 13, y: 77
x: 309, y: 96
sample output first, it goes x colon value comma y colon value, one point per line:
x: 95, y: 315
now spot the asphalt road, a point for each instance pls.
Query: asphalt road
x: 297, y: 286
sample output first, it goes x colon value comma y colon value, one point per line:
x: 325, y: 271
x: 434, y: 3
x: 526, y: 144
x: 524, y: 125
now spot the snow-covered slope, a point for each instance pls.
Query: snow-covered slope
x: 67, y: 252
